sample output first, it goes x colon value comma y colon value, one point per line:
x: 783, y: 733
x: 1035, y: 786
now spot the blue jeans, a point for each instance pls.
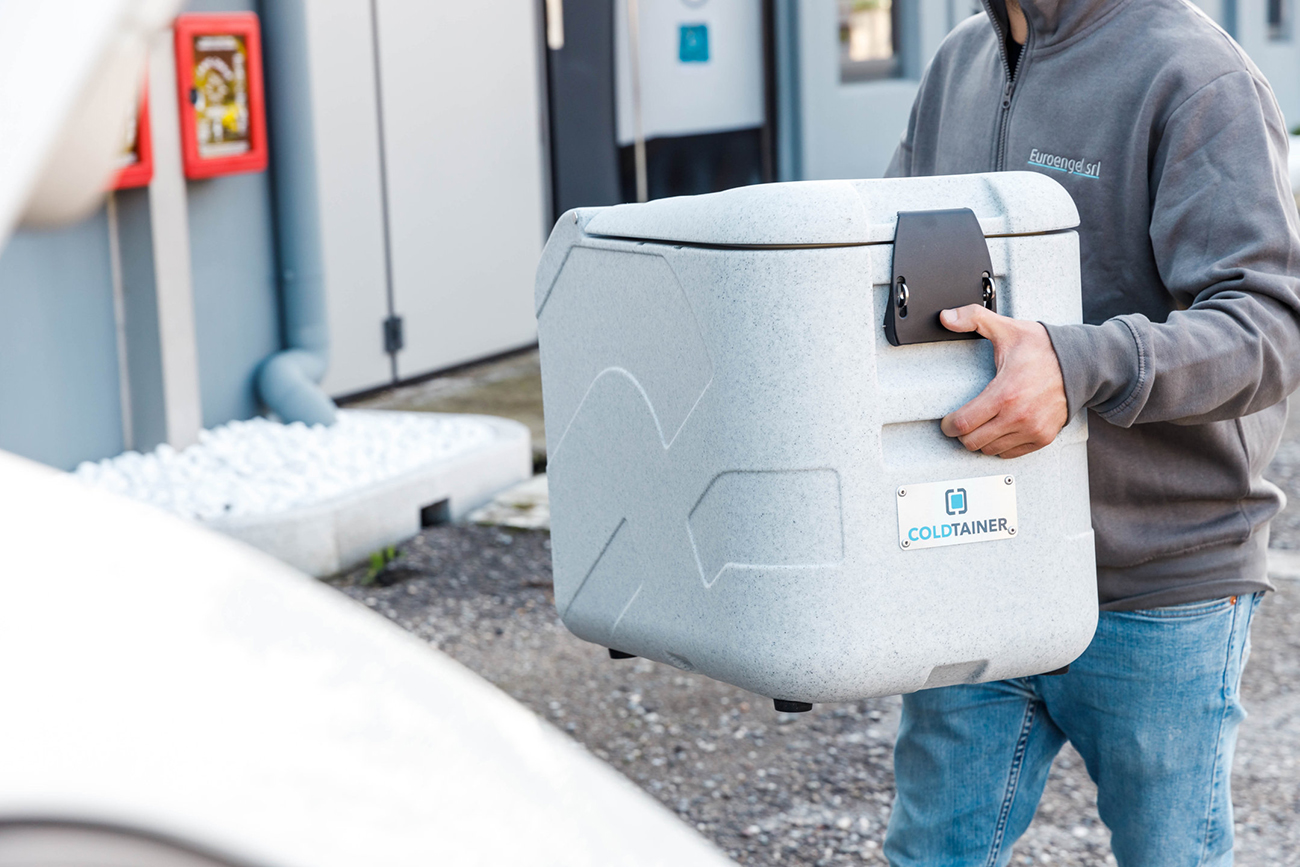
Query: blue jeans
x: 1152, y: 706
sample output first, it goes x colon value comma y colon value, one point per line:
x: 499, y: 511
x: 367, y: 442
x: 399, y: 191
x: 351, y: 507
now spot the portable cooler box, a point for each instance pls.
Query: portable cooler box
x: 747, y: 477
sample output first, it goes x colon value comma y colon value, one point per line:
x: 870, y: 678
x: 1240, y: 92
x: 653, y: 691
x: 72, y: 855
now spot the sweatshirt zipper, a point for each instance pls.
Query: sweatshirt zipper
x: 1004, y: 122
x: 1000, y: 158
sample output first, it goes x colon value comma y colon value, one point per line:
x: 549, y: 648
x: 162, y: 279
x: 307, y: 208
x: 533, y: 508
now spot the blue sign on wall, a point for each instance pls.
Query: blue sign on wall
x: 694, y: 44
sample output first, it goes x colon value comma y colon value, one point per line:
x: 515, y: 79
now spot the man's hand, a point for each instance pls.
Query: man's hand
x: 1023, y: 408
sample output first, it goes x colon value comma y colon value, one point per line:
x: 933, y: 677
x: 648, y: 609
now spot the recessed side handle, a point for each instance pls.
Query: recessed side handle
x: 941, y: 260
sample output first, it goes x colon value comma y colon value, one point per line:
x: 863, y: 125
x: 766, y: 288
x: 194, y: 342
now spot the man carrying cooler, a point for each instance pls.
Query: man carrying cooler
x: 1172, y: 146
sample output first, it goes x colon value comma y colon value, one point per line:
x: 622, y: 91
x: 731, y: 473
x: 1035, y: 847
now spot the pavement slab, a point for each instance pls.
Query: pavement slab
x: 525, y: 506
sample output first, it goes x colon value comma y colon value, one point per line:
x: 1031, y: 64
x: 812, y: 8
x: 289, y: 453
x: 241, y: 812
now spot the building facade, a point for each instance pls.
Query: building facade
x: 419, y: 153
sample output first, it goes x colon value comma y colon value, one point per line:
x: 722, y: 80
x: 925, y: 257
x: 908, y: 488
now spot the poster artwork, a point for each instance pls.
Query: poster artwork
x: 129, y: 155
x: 220, y: 95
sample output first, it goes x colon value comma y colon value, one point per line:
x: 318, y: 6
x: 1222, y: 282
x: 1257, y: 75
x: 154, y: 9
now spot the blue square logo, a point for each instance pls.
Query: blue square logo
x: 955, y: 501
x: 693, y: 46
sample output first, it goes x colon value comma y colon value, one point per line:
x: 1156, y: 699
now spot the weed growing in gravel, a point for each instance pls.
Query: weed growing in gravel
x: 378, y: 561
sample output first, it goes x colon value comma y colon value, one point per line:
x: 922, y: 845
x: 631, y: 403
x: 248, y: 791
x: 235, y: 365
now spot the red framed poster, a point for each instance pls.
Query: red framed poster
x: 135, y: 168
x: 219, y: 85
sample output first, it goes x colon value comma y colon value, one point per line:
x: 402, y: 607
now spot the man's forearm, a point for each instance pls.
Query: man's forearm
x: 1227, y: 358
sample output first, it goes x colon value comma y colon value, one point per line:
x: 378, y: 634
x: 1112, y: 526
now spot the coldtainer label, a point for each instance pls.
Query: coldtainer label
x: 932, y: 514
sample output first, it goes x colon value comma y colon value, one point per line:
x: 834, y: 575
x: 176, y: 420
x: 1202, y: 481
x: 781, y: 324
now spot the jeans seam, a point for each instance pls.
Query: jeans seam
x: 1013, y: 782
x: 1217, y: 771
x: 1187, y: 611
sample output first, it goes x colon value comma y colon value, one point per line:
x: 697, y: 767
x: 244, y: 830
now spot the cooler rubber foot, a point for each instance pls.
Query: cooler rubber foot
x: 618, y: 654
x: 1065, y: 669
x: 783, y: 706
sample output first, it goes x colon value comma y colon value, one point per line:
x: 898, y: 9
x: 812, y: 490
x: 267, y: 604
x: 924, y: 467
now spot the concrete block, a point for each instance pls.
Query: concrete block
x: 341, y: 532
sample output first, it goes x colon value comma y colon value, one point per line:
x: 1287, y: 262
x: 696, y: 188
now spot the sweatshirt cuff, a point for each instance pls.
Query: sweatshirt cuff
x: 1101, y: 365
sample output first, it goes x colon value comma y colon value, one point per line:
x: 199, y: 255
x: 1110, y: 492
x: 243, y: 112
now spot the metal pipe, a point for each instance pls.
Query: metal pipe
x: 383, y: 180
x: 287, y: 382
x: 638, y: 131
x: 119, y: 323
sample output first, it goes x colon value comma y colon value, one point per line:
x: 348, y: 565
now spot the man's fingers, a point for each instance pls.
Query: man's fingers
x: 1012, y: 444
x: 965, y: 420
x: 973, y: 317
x: 1021, y: 451
x: 996, y: 432
x: 959, y: 318
x: 1024, y: 407
x: 1003, y: 446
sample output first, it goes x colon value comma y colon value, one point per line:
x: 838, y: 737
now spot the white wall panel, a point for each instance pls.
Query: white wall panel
x: 462, y: 132
x: 347, y: 158
x: 851, y: 130
x: 687, y: 98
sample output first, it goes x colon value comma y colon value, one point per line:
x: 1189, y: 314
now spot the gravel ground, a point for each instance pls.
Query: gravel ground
x: 772, y: 788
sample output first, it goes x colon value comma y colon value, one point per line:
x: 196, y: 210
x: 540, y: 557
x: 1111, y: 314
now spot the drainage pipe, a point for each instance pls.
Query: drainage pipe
x: 287, y: 382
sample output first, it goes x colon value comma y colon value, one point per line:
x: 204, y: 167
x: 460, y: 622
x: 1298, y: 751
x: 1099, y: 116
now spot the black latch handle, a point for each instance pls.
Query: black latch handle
x: 941, y: 261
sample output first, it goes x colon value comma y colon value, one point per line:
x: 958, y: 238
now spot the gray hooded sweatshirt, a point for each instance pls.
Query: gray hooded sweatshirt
x: 1174, y: 149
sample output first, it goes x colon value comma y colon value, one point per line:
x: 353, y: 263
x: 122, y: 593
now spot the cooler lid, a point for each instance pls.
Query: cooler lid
x: 838, y: 213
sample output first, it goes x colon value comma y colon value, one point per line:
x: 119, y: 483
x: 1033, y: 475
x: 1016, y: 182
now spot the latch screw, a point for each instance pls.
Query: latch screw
x: 990, y: 291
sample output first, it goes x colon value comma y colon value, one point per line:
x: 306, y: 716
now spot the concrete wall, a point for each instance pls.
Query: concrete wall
x: 81, y: 381
x: 59, y: 388
x: 462, y: 137
x: 195, y: 263
x: 141, y: 323
x: 236, y: 306
x: 236, y: 298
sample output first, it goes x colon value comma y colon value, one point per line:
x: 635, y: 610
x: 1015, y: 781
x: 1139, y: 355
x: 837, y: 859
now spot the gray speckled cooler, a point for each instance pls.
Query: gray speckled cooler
x: 729, y: 433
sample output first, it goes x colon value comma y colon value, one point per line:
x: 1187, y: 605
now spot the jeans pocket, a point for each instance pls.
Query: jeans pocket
x: 1201, y: 608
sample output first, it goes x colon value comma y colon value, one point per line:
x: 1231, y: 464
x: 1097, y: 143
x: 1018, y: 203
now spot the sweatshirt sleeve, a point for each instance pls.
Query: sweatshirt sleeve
x: 901, y: 164
x: 1226, y: 239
